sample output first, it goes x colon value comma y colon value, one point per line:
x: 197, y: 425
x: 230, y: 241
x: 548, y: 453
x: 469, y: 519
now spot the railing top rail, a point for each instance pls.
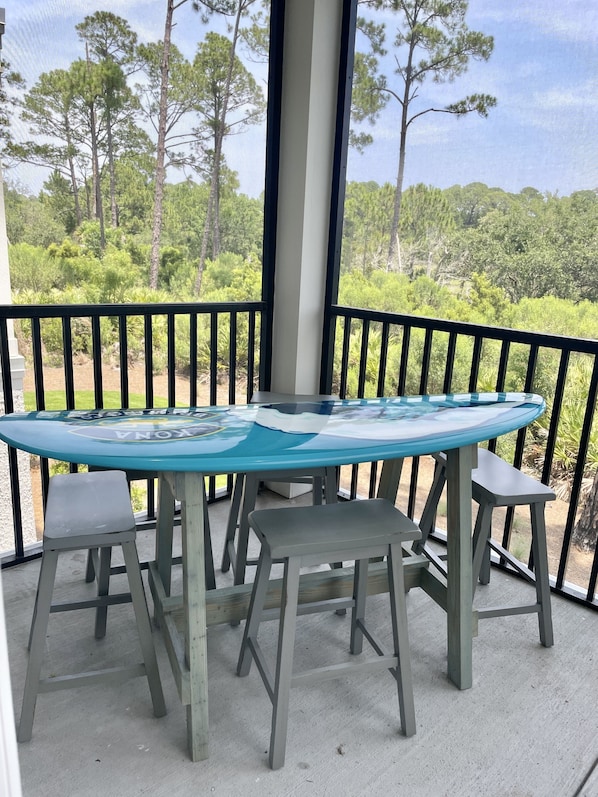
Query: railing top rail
x: 15, y: 311
x: 562, y: 342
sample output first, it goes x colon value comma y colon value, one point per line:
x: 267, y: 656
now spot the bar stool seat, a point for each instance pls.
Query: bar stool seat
x: 83, y: 511
x: 246, y: 487
x: 495, y: 483
x: 315, y: 535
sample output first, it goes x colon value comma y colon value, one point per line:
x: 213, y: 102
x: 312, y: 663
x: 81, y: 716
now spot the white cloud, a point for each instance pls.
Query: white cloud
x: 529, y: 69
x: 40, y: 34
x: 581, y: 96
x: 35, y: 11
x: 571, y: 20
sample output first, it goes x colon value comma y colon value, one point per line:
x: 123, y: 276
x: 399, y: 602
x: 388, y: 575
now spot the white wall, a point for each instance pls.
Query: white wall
x: 10, y: 776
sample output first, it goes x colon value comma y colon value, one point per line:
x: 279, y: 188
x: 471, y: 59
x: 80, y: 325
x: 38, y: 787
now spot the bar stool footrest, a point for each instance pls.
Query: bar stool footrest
x: 92, y: 603
x: 332, y: 671
x: 505, y: 611
x: 110, y: 675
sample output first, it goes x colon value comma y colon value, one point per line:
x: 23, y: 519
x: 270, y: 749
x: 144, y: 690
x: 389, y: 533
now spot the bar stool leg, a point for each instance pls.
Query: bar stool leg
x: 481, y: 549
x: 90, y: 572
x: 37, y: 641
x: 317, y: 490
x: 429, y: 512
x: 284, y: 662
x: 250, y: 490
x: 164, y: 534
x: 103, y: 589
x: 207, y: 542
x: 144, y: 628
x: 330, y: 489
x: 254, y: 615
x: 398, y: 609
x: 34, y: 616
x: 485, y: 568
x: 540, y: 557
x: 360, y: 582
x: 330, y: 485
x: 233, y: 517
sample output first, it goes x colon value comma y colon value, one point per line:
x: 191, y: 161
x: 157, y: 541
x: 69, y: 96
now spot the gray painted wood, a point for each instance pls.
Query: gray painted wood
x: 459, y: 604
x: 495, y: 483
x: 305, y: 536
x: 86, y: 511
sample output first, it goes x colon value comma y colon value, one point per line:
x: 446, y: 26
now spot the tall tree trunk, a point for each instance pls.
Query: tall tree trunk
x: 111, y: 171
x: 206, y: 234
x: 394, y: 230
x: 75, y: 189
x: 212, y: 221
x: 73, y: 176
x: 88, y: 198
x: 95, y: 160
x: 161, y: 149
x: 95, y: 176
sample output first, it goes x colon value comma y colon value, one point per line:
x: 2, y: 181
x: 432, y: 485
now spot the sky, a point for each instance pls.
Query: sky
x: 542, y: 133
x: 543, y: 72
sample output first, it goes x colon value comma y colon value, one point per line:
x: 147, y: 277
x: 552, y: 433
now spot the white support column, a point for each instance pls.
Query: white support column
x: 310, y: 77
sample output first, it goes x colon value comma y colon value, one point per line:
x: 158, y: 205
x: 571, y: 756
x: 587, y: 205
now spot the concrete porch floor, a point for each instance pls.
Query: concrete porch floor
x: 528, y: 727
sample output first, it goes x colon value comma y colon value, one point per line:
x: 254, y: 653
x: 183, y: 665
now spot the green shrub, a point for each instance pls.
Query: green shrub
x: 116, y: 276
x: 32, y: 269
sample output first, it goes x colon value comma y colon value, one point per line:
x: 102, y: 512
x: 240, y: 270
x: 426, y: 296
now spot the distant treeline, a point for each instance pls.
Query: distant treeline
x: 528, y: 245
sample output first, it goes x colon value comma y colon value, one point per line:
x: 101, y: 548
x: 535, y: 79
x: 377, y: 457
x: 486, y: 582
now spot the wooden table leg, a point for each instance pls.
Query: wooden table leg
x: 164, y: 531
x: 187, y: 651
x: 459, y: 601
x: 388, y: 487
x: 189, y: 490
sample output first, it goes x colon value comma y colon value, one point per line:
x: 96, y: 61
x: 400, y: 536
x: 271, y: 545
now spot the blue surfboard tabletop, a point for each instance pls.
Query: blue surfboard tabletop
x: 255, y: 437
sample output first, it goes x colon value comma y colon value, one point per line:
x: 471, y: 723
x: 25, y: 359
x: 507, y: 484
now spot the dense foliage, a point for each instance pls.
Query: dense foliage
x: 467, y: 253
x: 527, y: 244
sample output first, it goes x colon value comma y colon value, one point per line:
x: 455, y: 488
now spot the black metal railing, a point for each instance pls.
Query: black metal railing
x: 382, y: 354
x: 191, y: 354
x: 181, y: 354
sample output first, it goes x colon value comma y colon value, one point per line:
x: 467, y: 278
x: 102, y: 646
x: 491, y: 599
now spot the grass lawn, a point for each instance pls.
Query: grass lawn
x: 85, y: 400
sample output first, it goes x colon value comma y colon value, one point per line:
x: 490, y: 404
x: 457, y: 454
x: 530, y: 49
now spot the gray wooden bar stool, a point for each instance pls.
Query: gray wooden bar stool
x: 83, y: 511
x: 315, y: 535
x: 93, y: 569
x: 495, y: 483
x: 246, y: 487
